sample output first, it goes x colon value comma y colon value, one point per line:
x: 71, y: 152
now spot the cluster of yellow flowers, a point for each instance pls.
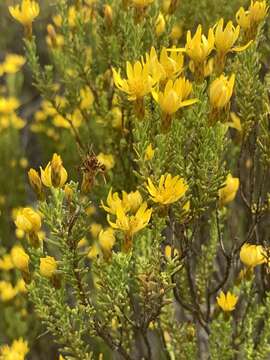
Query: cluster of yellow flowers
x: 29, y: 221
x: 54, y: 175
x: 10, y: 104
x: 17, y: 351
x: 251, y: 256
x: 250, y: 19
x: 159, y: 77
x: 8, y: 292
x: 8, y: 262
x: 162, y: 77
x: 131, y: 214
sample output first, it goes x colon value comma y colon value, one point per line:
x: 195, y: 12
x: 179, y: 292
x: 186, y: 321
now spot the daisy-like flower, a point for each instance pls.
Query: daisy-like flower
x: 227, y: 301
x: 169, y: 190
x: 139, y: 82
x: 25, y: 14
x: 174, y: 96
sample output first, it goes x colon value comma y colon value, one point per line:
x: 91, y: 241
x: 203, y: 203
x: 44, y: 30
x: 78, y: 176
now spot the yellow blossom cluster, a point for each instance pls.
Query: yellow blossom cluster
x: 8, y: 116
x: 16, y: 351
x: 130, y: 212
x: 8, y: 292
x: 54, y: 175
x: 250, y: 19
x: 12, y: 64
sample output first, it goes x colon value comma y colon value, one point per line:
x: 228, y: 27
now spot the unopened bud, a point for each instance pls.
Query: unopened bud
x: 35, y: 181
x: 56, y: 166
x: 108, y: 14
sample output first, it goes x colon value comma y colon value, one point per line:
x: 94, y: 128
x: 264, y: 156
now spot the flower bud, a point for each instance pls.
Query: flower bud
x: 106, y: 239
x: 54, y: 174
x: 176, y: 33
x: 35, y: 181
x: 48, y: 267
x: 56, y: 166
x: 149, y: 153
x: 20, y: 259
x: 68, y: 192
x: 221, y: 91
x: 108, y: 14
x: 160, y: 25
x: 228, y: 192
x: 252, y: 255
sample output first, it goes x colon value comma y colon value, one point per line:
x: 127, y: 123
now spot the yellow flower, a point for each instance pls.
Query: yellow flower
x: 7, y: 293
x: 139, y: 82
x: 252, y: 255
x: 227, y: 37
x: 199, y: 47
x: 20, y: 346
x: 13, y: 63
x: 243, y: 18
x: 176, y: 33
x: 28, y: 220
x: 160, y: 24
x: 21, y: 286
x: 19, y: 258
x: 54, y: 174
x: 107, y: 160
x: 6, y: 263
x: 8, y: 105
x: 141, y: 4
x: 129, y: 202
x: 72, y: 16
x: 82, y: 243
x: 174, y: 96
x: 117, y: 117
x: 169, y: 190
x: 17, y: 351
x: 258, y: 11
x: 19, y: 233
x: 93, y: 252
x: 227, y: 302
x: 131, y: 224
x: 26, y: 13
x: 48, y: 266
x: 250, y: 19
x: 221, y: 90
x: 167, y: 67
x: 87, y: 98
x: 95, y: 229
x: 235, y: 123
x: 106, y: 239
x: 149, y: 153
x: 229, y: 191
x: 205, y: 69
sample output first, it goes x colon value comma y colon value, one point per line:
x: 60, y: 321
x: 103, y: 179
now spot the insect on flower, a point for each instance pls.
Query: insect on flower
x: 89, y: 168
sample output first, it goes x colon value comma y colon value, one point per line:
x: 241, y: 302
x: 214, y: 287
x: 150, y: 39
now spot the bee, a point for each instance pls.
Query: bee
x: 90, y: 167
